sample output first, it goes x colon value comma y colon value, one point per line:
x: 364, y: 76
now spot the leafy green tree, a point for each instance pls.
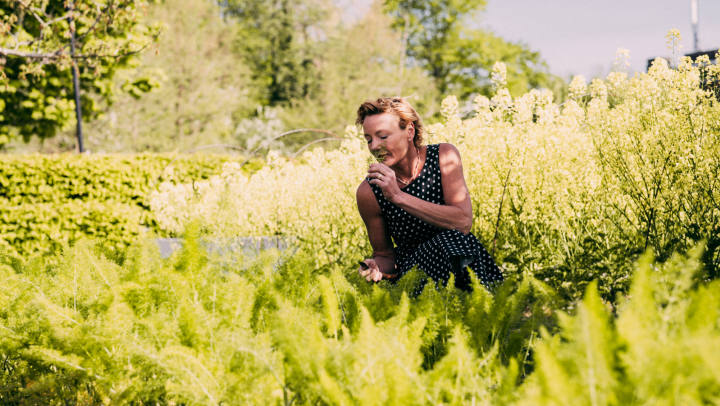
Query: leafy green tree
x: 439, y: 37
x: 275, y: 39
x: 206, y: 88
x: 359, y: 62
x: 35, y: 43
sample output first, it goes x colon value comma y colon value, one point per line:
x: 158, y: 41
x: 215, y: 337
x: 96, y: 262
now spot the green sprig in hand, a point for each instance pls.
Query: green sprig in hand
x: 377, y: 156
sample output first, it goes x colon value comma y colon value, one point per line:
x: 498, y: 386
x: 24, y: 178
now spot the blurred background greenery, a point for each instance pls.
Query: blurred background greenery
x: 243, y: 71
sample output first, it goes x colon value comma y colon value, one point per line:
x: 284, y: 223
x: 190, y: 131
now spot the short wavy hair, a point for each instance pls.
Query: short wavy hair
x: 397, y: 106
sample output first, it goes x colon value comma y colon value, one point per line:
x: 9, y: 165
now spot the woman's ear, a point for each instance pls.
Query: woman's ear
x: 411, y: 131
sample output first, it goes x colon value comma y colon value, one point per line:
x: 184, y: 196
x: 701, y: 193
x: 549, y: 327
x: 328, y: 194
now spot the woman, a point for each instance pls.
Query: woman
x: 418, y: 197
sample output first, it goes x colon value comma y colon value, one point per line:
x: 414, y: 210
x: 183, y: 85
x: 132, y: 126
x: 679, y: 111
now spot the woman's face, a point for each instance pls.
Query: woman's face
x: 384, y: 129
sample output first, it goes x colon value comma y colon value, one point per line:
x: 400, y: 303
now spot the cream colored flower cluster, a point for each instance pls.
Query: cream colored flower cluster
x: 313, y: 201
x: 622, y: 156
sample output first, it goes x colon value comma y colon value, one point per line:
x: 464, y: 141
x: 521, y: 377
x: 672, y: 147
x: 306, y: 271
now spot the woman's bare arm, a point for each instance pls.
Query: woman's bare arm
x: 455, y: 214
x: 383, y: 252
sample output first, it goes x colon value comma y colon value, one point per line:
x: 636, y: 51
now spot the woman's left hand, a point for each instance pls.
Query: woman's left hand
x: 383, y: 176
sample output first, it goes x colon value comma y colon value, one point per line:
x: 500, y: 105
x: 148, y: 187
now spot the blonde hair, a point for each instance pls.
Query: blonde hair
x: 397, y: 106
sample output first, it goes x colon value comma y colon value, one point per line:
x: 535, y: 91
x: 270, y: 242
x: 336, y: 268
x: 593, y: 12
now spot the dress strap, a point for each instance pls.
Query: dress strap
x: 433, y: 159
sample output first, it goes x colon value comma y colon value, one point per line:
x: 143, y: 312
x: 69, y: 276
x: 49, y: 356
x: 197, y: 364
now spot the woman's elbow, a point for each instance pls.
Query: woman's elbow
x: 465, y: 225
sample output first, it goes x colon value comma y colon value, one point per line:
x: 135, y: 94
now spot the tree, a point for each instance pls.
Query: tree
x: 275, y: 39
x: 359, y: 62
x: 206, y: 87
x: 41, y: 40
x: 439, y: 38
x: 209, y: 95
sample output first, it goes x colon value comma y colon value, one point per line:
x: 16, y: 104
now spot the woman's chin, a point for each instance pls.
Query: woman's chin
x: 388, y: 161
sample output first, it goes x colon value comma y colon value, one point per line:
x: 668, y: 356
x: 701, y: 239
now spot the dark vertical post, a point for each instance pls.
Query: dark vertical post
x: 694, y: 20
x: 403, y: 52
x: 76, y: 84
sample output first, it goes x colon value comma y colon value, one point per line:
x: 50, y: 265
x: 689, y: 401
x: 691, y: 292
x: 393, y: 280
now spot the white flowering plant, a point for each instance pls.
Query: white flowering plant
x: 563, y: 193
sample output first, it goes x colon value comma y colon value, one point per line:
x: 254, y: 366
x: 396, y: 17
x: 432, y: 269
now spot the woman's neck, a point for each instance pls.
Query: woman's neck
x: 405, y: 167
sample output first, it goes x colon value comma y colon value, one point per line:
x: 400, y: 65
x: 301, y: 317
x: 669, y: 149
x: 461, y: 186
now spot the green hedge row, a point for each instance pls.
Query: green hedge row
x: 125, y: 178
x: 29, y: 228
x: 47, y: 200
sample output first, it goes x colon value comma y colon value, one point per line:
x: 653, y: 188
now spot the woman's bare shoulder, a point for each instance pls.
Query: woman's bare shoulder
x: 364, y: 189
x: 449, y: 155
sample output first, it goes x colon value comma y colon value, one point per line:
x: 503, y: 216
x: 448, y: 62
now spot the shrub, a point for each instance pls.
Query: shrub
x: 30, y: 228
x: 48, y: 200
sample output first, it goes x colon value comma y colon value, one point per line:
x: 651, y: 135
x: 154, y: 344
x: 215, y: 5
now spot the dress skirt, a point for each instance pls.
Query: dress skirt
x: 450, y: 252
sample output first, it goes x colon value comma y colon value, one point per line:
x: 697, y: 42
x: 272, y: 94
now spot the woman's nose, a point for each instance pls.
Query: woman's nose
x: 375, y: 145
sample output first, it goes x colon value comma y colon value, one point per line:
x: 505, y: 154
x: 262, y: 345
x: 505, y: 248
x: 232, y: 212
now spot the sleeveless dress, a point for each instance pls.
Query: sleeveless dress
x: 436, y: 251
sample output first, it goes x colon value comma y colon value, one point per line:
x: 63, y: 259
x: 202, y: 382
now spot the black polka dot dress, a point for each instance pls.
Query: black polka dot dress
x: 436, y: 251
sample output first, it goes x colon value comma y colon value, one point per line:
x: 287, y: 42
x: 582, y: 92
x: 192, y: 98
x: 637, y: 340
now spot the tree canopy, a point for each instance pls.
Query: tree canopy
x: 239, y: 71
x: 35, y: 80
x: 441, y: 38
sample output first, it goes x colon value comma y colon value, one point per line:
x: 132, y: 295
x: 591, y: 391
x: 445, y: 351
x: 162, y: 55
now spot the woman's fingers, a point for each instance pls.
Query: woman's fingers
x: 380, y: 168
x: 374, y: 276
x: 380, y: 181
x: 370, y: 274
x: 376, y: 175
x: 365, y: 273
x: 381, y: 174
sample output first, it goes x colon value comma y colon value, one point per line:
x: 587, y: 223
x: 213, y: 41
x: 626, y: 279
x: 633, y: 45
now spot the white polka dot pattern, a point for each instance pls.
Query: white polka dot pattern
x: 429, y: 247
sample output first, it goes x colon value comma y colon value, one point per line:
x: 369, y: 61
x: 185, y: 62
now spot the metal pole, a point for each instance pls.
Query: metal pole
x: 694, y: 20
x: 403, y: 52
x: 76, y: 85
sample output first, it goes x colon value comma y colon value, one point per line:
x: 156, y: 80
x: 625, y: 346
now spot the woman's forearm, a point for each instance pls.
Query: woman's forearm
x: 438, y: 215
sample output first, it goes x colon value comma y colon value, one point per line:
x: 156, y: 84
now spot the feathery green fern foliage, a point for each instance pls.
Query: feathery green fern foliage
x: 202, y: 328
x: 661, y: 349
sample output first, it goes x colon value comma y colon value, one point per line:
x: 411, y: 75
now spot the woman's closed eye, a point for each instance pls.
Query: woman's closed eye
x: 382, y: 138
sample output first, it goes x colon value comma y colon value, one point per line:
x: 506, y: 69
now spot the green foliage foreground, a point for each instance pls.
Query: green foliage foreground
x: 205, y: 329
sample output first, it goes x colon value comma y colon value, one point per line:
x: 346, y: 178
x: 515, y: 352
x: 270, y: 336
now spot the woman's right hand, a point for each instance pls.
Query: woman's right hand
x: 372, y: 274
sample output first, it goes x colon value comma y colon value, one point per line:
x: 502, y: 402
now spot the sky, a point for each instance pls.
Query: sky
x: 582, y: 36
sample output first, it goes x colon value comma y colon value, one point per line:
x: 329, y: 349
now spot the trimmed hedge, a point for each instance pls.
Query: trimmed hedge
x: 30, y: 228
x: 46, y: 200
x: 60, y: 178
